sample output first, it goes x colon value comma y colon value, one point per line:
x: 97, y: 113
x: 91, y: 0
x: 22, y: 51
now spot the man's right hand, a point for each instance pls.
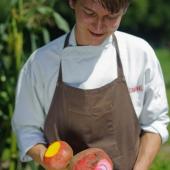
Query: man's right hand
x: 37, y: 154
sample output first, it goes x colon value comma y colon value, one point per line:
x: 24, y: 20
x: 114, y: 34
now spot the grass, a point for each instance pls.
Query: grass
x: 164, y: 58
x: 162, y: 161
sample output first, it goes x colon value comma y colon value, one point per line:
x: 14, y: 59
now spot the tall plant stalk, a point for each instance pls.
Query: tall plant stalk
x: 27, y: 21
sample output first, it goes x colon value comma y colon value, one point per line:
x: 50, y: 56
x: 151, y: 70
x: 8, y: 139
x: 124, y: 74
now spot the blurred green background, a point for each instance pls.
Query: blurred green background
x: 28, y: 24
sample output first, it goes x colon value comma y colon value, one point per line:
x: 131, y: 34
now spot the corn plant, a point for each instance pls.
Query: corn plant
x: 28, y: 21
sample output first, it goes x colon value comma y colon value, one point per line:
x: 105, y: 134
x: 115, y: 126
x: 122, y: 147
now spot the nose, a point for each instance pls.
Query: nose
x: 98, y: 25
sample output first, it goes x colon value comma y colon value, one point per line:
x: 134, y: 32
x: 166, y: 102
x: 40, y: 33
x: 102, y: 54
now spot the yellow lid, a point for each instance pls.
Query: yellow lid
x: 53, y: 149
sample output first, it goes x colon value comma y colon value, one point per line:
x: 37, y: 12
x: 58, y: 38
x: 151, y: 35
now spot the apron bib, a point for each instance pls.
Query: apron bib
x: 104, y: 118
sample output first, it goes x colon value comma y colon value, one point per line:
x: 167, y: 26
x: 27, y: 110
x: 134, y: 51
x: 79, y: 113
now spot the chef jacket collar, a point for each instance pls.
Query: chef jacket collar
x: 72, y: 39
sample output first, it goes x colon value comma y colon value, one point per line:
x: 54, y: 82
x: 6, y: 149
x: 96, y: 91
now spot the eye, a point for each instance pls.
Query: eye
x: 89, y: 13
x: 112, y: 17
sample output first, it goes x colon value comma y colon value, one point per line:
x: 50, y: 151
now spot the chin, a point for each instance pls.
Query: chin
x: 97, y: 42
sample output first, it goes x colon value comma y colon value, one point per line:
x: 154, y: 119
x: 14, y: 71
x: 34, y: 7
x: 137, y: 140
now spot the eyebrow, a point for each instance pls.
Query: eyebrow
x: 87, y: 8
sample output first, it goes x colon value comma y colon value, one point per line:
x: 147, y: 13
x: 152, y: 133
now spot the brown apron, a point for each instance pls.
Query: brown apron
x: 102, y: 117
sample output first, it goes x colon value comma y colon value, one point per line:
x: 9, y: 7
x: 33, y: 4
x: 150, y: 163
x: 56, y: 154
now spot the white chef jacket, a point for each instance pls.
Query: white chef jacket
x: 88, y: 68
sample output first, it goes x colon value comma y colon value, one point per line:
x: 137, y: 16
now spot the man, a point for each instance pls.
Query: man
x: 94, y: 87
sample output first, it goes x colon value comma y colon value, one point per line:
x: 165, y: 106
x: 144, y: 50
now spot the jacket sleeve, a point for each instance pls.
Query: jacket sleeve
x: 154, y: 117
x: 28, y: 118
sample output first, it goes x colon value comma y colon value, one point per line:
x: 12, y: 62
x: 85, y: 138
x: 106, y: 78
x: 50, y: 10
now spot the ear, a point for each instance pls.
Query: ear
x: 72, y: 3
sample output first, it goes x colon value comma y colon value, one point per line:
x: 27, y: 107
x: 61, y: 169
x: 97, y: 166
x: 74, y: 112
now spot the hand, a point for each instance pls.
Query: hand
x: 58, y: 155
x: 37, y: 153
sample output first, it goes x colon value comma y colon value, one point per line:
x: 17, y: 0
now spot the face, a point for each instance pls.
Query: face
x: 93, y: 22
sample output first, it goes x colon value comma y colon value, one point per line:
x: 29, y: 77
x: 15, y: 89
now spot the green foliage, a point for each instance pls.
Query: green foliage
x: 162, y: 160
x: 163, y: 56
x: 5, y: 9
x: 149, y: 19
x: 136, y: 13
x: 27, y: 22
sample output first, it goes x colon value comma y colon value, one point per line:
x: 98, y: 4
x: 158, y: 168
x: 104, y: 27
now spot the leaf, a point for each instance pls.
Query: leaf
x: 2, y: 78
x: 44, y: 10
x: 46, y: 35
x: 33, y: 41
x: 4, y: 96
x: 7, y: 61
x: 5, y: 154
x: 61, y: 22
x: 33, y: 165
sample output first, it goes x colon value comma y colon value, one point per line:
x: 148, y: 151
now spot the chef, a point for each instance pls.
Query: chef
x: 93, y: 87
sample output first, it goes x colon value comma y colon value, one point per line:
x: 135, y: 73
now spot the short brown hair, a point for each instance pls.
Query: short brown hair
x: 114, y: 6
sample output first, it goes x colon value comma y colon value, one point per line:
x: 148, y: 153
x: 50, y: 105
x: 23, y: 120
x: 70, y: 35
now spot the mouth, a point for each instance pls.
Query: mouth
x: 98, y: 35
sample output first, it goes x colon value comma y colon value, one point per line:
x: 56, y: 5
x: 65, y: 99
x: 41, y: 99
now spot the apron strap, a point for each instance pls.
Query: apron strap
x: 119, y: 63
x: 66, y: 43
